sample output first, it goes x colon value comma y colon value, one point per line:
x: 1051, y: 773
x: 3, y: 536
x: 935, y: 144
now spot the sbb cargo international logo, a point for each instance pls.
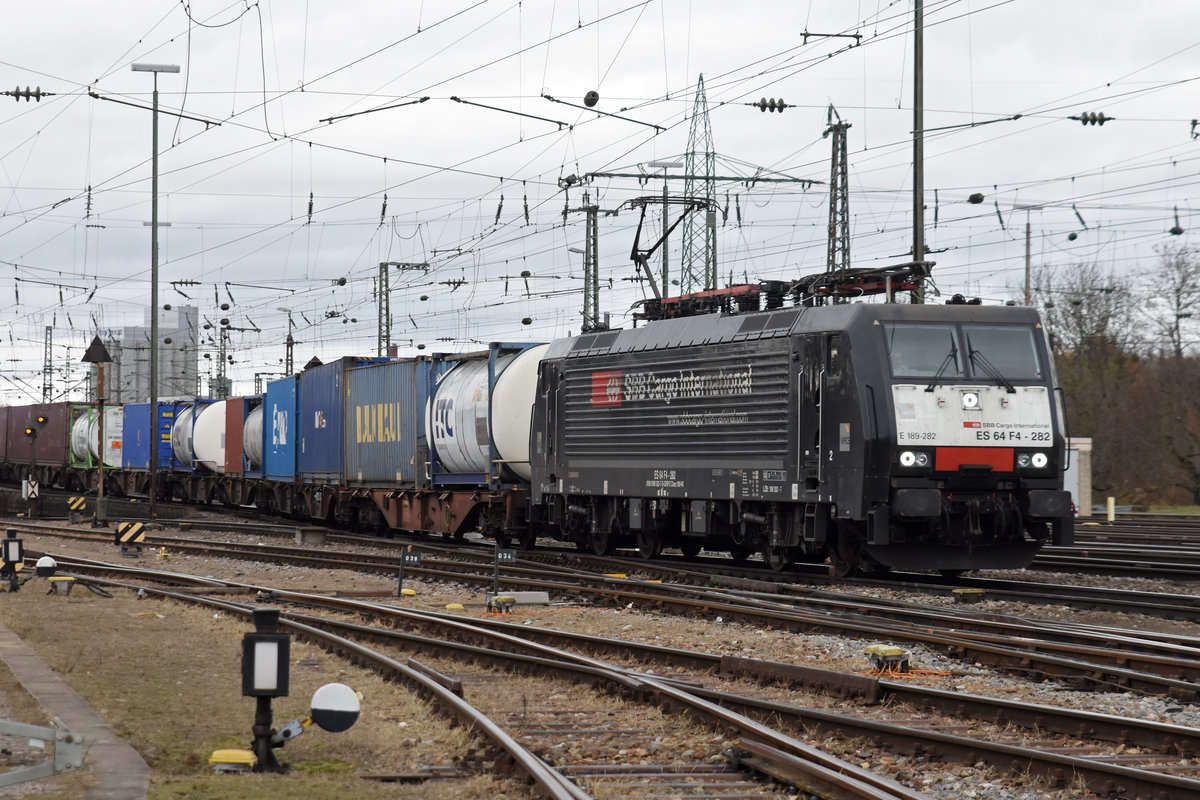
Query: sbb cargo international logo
x: 606, y: 389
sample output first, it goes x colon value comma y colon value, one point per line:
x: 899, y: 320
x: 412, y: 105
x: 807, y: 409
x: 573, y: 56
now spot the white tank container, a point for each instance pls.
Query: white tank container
x: 80, y: 435
x: 208, y: 437
x: 85, y: 436
x: 181, y: 435
x: 457, y: 423
x: 114, y: 436
x: 512, y: 408
x: 252, y: 438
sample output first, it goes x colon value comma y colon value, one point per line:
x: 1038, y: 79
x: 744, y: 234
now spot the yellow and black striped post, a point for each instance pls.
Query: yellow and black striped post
x: 75, y: 507
x: 130, y: 536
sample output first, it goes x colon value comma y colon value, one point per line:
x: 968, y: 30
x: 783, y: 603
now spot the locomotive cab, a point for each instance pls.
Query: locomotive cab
x: 974, y: 440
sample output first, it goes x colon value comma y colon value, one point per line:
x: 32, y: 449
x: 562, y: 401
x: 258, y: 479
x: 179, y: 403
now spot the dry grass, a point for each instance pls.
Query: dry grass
x: 168, y: 679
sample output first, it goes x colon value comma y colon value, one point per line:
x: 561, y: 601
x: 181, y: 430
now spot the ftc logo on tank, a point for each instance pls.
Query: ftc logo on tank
x: 606, y: 389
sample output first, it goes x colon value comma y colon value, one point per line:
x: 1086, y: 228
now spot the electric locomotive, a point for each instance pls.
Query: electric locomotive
x: 877, y: 436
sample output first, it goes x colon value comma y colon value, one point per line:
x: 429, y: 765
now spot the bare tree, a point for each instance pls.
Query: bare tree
x: 1087, y: 311
x: 1173, y: 294
x: 1089, y: 315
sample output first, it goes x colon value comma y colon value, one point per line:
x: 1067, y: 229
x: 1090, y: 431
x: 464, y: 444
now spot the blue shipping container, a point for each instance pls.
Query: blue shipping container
x: 385, y: 419
x: 279, y: 430
x: 322, y: 413
x: 135, y: 446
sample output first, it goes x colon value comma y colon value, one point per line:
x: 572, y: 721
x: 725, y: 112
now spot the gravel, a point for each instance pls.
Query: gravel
x: 721, y: 636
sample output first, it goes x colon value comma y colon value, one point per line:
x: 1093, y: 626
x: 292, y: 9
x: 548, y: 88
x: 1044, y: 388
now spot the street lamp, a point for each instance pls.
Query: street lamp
x: 154, y: 418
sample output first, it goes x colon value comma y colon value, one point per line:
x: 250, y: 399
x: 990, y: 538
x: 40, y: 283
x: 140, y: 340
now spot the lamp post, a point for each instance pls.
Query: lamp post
x: 155, y: 422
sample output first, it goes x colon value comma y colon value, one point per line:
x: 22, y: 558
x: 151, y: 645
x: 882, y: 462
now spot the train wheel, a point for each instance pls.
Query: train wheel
x: 603, y: 542
x: 649, y: 546
x: 951, y: 573
x: 691, y: 549
x: 740, y: 552
x: 845, y: 553
x: 777, y: 558
x: 842, y: 568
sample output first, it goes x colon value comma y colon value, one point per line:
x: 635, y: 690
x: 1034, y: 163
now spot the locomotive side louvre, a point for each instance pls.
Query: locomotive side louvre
x: 686, y: 432
x: 691, y: 411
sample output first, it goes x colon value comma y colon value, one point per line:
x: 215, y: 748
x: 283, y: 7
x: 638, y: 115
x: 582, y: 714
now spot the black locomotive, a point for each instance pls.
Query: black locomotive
x: 875, y: 435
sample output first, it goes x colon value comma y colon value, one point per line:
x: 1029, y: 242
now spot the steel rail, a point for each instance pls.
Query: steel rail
x: 1104, y: 676
x: 854, y: 782
x: 717, y: 706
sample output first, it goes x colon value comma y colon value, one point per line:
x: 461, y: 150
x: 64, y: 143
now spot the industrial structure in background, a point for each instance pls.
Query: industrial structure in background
x: 179, y: 356
x: 698, y: 265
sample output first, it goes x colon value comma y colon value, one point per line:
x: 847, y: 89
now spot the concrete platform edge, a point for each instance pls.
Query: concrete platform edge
x: 120, y: 771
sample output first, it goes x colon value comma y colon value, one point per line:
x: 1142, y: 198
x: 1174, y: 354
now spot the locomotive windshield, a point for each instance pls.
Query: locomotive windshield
x: 923, y: 350
x: 993, y: 352
x: 1010, y: 349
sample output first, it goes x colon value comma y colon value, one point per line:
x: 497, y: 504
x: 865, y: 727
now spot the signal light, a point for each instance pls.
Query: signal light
x: 29, y: 431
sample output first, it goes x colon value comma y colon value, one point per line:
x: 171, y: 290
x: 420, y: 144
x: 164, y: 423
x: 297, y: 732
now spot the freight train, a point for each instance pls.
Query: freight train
x: 871, y: 435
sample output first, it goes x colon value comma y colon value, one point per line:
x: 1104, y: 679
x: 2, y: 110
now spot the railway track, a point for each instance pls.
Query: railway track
x: 1118, y: 756
x: 1094, y: 660
x: 1152, y: 547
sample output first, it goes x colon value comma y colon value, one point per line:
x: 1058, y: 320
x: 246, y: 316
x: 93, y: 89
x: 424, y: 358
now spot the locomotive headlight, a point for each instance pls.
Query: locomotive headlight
x: 922, y: 459
x: 908, y: 459
x: 1039, y: 460
x: 1023, y: 460
x: 970, y: 400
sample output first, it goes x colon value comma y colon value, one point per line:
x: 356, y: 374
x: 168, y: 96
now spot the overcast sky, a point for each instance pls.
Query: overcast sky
x: 284, y: 199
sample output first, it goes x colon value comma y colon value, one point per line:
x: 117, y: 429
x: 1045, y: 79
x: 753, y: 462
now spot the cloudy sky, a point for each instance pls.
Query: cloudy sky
x: 299, y: 151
